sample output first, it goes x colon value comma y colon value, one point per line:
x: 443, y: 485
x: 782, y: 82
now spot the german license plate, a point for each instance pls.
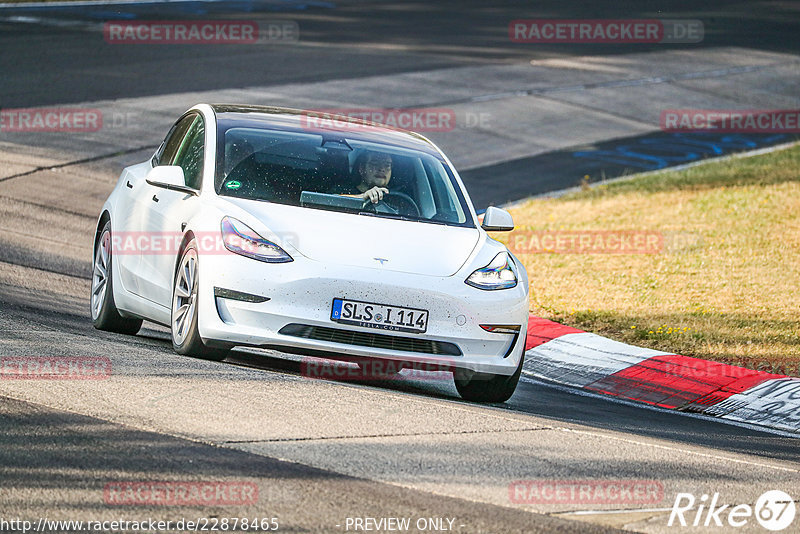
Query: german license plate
x: 379, y: 316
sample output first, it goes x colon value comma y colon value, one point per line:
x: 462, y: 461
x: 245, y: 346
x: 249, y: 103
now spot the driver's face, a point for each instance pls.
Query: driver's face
x: 377, y: 170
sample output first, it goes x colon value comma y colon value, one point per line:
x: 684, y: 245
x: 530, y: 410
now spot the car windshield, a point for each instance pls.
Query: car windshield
x: 306, y: 170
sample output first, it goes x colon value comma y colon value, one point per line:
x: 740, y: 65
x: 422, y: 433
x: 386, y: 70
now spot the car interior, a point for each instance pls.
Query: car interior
x: 282, y: 168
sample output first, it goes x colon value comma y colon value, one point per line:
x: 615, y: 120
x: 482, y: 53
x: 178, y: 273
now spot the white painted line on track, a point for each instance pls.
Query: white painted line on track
x: 627, y: 511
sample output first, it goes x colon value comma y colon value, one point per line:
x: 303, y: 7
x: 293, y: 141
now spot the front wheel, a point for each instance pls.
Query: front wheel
x: 183, y: 323
x: 105, y: 315
x: 486, y: 387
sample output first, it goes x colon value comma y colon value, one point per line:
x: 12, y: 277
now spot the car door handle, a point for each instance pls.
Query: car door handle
x: 155, y: 198
x: 129, y: 184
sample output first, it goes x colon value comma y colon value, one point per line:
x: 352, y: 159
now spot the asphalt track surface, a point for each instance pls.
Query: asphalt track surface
x: 349, y: 39
x: 319, y: 451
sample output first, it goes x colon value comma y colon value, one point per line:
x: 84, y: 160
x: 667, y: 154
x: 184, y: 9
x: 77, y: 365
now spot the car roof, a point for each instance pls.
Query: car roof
x: 329, y: 125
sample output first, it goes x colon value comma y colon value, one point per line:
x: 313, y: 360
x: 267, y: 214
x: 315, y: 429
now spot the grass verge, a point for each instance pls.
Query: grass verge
x: 723, y: 283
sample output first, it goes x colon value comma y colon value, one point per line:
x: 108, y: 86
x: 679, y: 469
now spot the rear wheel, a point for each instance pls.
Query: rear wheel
x: 486, y: 387
x: 105, y: 315
x: 183, y: 323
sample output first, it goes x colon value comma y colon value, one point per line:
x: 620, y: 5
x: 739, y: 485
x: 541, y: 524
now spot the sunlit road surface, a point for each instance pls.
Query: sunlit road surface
x: 407, y: 447
x: 321, y: 452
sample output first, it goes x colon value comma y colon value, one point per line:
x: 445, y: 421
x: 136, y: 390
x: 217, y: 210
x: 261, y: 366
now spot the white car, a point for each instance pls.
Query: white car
x: 254, y: 226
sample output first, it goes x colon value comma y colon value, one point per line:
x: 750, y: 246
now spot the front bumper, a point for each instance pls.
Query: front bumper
x: 301, y: 293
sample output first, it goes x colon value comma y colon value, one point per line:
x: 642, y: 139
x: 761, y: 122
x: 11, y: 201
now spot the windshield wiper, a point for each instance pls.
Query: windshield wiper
x: 388, y: 216
x: 403, y: 217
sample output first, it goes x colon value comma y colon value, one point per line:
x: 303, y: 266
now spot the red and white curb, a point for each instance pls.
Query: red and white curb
x: 575, y: 358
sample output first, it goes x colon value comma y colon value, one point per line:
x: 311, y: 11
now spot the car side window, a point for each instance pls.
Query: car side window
x: 190, y: 153
x: 166, y: 153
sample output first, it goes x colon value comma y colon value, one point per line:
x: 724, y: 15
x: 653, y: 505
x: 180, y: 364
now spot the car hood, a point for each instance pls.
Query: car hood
x: 363, y: 241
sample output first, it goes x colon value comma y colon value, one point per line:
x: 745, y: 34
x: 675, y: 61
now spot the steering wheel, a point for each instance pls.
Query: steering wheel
x: 396, y: 203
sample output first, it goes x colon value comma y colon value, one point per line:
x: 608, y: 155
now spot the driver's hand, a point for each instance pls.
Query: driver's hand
x: 375, y: 194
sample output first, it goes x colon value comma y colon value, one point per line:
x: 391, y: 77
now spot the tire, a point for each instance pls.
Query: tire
x: 105, y: 315
x: 183, y: 319
x: 486, y: 387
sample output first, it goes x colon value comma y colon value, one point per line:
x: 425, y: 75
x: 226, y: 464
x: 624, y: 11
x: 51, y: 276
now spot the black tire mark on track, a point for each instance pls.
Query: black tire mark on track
x: 78, y: 162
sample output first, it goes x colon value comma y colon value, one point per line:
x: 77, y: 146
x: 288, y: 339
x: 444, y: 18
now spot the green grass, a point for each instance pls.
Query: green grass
x: 726, y: 285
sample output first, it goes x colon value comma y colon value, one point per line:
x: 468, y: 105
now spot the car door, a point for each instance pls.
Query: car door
x: 168, y: 211
x: 126, y: 229
x: 132, y: 218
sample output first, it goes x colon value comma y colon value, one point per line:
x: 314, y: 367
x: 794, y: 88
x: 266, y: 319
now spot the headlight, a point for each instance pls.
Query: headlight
x: 501, y: 273
x: 241, y: 239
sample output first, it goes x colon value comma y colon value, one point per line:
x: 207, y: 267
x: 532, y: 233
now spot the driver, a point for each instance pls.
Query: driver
x: 374, y: 170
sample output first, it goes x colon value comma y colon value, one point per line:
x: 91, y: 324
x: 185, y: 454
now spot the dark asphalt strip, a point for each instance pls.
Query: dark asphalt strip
x: 335, y: 42
x: 610, y: 84
x: 45, y: 261
x: 518, y: 179
x: 45, y: 207
x: 557, y: 404
x: 78, y: 162
x: 45, y: 450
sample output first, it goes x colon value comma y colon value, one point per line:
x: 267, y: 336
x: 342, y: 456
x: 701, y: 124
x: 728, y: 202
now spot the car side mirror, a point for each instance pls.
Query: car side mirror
x: 497, y: 220
x: 169, y: 177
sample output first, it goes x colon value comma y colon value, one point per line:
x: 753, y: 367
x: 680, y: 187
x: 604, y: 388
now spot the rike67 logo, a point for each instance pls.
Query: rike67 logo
x: 774, y: 510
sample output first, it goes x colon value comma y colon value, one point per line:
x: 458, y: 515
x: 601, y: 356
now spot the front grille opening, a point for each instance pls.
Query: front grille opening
x: 369, y: 339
